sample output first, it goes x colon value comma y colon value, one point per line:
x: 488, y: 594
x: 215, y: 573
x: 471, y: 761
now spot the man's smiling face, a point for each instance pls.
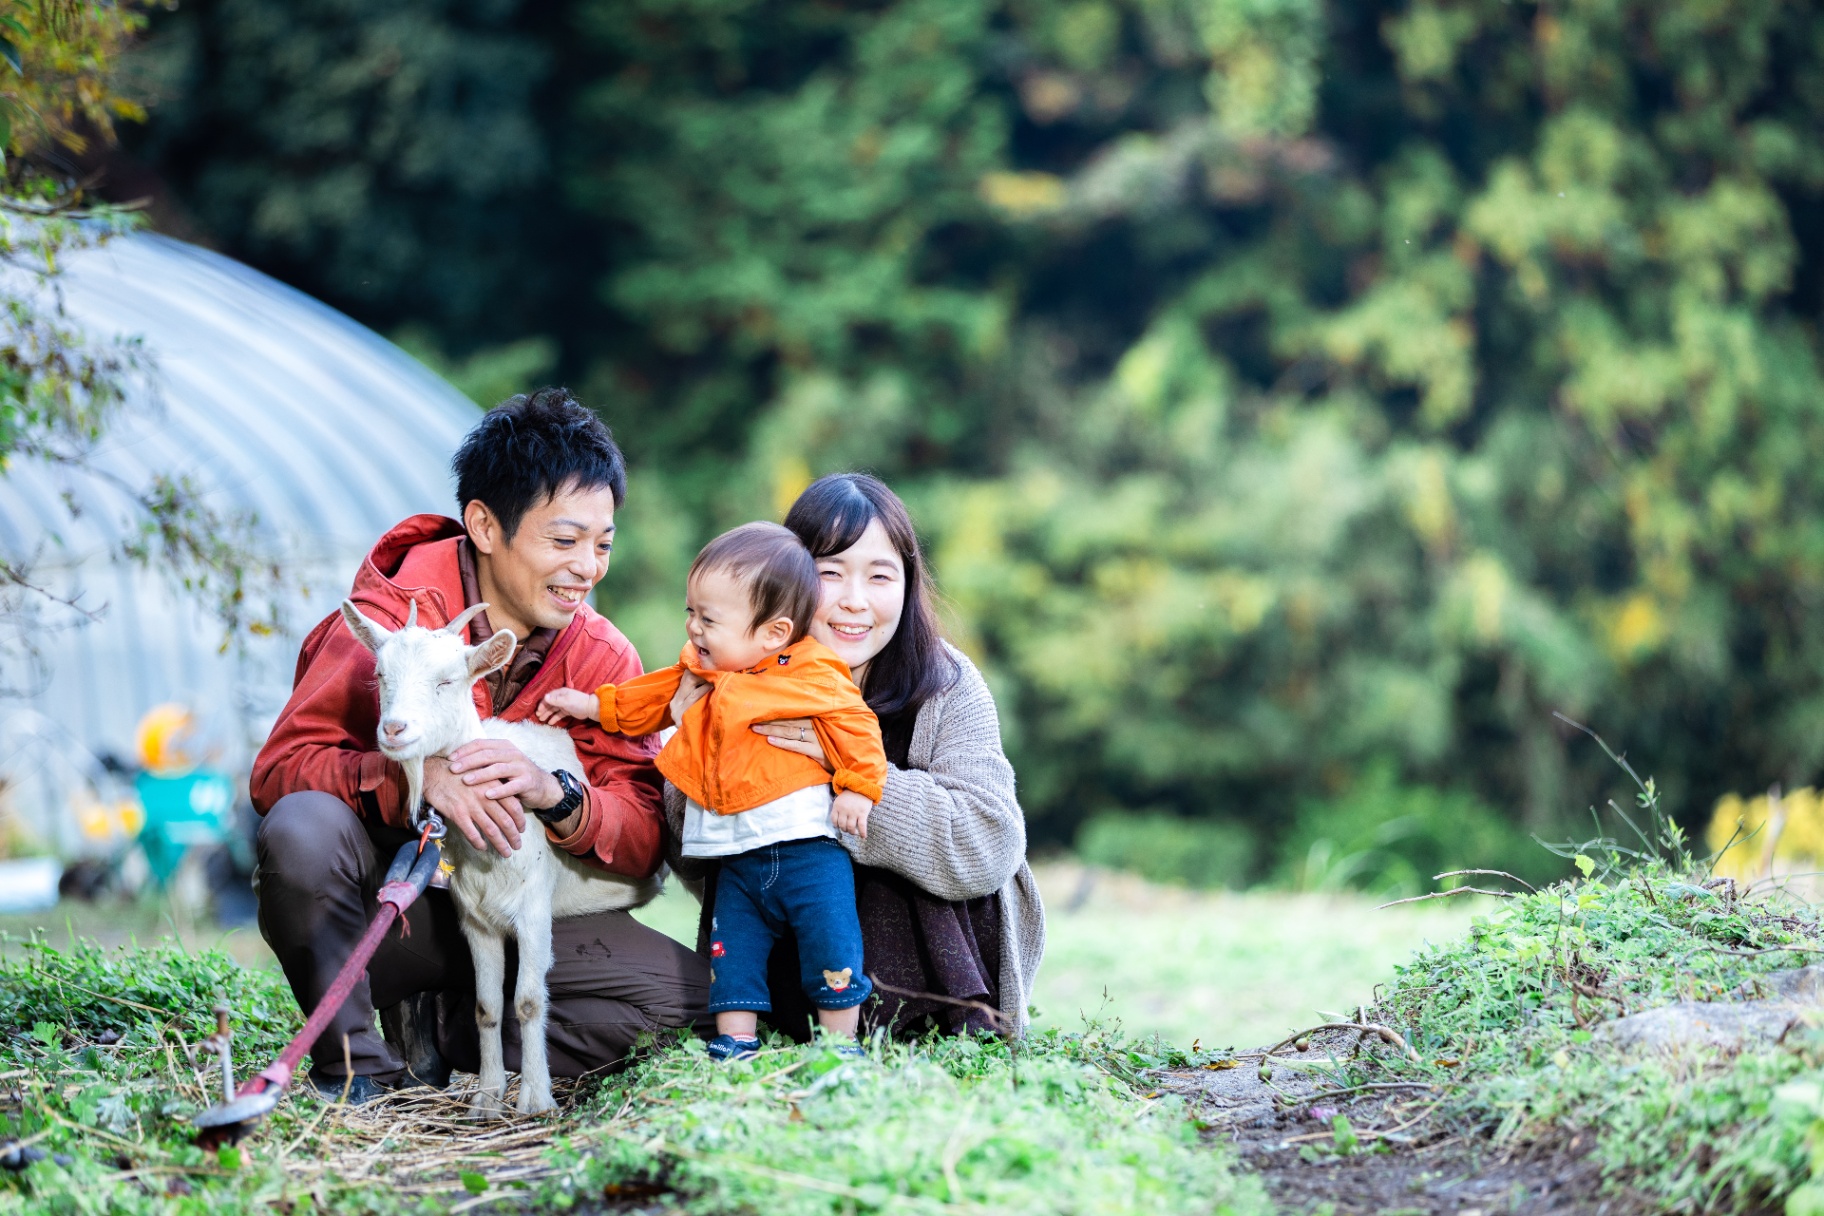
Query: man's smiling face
x: 556, y: 556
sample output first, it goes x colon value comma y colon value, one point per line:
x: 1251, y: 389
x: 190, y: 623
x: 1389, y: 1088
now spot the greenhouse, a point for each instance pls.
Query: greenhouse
x: 283, y: 410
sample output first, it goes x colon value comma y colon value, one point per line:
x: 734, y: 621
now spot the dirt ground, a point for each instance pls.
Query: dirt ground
x: 1407, y: 1162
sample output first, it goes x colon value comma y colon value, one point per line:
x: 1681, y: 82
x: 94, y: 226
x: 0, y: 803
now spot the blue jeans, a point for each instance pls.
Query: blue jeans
x: 808, y: 885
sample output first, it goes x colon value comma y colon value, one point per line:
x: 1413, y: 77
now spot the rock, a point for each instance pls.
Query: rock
x: 1802, y: 985
x: 1763, y: 1010
x: 1725, y: 1024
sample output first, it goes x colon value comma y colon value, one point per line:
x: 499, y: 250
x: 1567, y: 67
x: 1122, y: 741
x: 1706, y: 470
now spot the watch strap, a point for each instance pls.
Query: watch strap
x: 573, y: 798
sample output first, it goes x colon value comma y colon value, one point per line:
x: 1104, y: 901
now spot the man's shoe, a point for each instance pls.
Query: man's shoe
x: 726, y: 1047
x: 361, y: 1090
x: 411, y: 1027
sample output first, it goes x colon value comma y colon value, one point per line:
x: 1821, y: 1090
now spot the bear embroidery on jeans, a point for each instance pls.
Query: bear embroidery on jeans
x: 838, y: 980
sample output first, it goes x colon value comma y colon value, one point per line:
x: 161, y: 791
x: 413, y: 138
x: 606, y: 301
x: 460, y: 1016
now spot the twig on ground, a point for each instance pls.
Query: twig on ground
x: 1367, y: 1133
x: 1391, y: 1037
x: 1767, y: 950
x: 773, y: 1076
x: 118, y: 1000
x: 1356, y: 1089
x: 994, y: 1015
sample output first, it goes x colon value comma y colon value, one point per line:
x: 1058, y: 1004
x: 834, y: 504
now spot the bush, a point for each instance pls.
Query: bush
x: 1390, y: 838
x: 1167, y: 848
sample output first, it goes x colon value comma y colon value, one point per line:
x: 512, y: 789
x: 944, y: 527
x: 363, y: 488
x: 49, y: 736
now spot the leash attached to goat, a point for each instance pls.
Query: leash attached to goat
x: 412, y: 869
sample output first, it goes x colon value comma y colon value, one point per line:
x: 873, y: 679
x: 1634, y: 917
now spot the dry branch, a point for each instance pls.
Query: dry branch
x: 1495, y: 873
x: 1419, y: 899
x: 1386, y: 1035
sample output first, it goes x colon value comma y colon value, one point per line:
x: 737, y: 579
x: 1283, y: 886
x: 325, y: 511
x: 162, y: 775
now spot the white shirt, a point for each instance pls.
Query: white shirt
x: 800, y: 815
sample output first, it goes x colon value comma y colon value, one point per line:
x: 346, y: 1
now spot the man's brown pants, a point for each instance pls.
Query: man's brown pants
x: 320, y: 865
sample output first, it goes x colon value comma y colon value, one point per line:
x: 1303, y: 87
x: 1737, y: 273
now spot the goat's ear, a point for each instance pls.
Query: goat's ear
x: 492, y: 654
x: 369, y: 632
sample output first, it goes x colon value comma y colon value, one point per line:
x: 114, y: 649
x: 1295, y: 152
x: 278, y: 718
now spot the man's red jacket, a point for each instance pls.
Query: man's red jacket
x: 324, y: 738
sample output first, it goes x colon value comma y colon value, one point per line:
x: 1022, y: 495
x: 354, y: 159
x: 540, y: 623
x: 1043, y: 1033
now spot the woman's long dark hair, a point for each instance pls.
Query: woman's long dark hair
x: 914, y: 666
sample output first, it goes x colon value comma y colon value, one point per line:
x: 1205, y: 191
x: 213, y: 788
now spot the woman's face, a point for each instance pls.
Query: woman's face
x: 864, y: 594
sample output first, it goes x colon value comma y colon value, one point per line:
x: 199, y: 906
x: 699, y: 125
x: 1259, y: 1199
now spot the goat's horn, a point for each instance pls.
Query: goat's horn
x: 411, y: 616
x: 463, y: 618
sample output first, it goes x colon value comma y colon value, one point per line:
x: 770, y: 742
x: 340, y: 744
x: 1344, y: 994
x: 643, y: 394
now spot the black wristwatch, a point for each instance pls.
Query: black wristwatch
x: 573, y: 798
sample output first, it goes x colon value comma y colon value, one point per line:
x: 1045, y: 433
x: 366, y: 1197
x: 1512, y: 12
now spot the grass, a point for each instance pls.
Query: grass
x: 1223, y: 967
x: 1504, y: 1023
x: 1501, y: 1018
x: 946, y: 1126
x: 97, y: 1065
x: 1231, y: 968
x: 98, y: 1041
x: 148, y: 920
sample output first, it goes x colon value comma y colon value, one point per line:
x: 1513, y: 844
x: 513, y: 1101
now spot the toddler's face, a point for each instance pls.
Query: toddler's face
x: 718, y: 616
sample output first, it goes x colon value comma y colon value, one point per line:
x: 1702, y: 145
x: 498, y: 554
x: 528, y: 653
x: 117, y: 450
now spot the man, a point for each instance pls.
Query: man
x: 538, y: 483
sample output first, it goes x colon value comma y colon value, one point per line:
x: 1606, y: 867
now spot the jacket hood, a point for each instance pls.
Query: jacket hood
x: 374, y: 581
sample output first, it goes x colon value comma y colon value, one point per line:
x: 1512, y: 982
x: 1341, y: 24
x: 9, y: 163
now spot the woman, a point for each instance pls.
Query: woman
x: 952, y: 927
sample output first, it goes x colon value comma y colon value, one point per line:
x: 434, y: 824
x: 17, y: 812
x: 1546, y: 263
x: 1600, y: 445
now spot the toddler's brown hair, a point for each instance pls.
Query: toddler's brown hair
x: 780, y: 573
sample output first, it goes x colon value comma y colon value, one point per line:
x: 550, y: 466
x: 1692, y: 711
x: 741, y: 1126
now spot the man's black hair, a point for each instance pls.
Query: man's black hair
x: 529, y: 448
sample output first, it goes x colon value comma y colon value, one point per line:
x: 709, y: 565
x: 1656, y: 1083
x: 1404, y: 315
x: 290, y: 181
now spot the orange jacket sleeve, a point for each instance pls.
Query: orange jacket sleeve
x: 641, y: 705
x: 847, y: 728
x: 851, y: 739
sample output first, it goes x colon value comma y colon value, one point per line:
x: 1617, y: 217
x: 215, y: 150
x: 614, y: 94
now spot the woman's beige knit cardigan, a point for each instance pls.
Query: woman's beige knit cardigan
x: 952, y: 824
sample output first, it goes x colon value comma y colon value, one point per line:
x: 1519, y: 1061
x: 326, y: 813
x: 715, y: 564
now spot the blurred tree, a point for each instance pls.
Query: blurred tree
x: 388, y: 156
x: 789, y: 198
x: 1303, y: 399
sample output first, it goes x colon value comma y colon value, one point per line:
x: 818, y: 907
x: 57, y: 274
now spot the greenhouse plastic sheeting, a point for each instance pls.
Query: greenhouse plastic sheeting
x: 277, y: 405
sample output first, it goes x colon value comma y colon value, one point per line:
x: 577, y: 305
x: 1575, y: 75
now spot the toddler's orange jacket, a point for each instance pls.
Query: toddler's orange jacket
x: 717, y: 759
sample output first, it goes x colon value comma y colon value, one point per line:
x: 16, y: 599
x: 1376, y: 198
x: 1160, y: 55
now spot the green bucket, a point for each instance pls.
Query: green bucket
x: 194, y: 809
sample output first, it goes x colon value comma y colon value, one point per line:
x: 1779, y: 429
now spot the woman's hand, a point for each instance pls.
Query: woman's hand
x: 795, y: 735
x: 691, y: 689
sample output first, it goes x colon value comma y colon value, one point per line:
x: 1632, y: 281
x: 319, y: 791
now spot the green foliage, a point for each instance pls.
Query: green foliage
x: 1506, y: 1020
x: 1392, y: 838
x: 487, y: 376
x: 99, y: 1038
x: 948, y: 1124
x: 386, y: 155
x: 1168, y: 848
x: 1289, y: 390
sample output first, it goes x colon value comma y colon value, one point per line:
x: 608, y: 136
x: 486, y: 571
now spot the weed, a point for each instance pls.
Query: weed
x: 943, y: 1125
x: 1507, y: 1021
x: 95, y: 1067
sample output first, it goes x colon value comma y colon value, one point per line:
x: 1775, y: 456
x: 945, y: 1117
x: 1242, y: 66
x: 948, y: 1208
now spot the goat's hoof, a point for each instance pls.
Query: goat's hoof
x: 531, y: 1103
x: 486, y: 1105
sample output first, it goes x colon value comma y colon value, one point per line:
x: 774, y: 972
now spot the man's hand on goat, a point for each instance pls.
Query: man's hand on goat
x: 562, y: 703
x: 850, y: 813
x: 502, y: 772
x: 483, y: 821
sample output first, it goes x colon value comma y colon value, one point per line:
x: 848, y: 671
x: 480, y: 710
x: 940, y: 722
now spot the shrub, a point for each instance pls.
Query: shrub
x: 1389, y: 837
x: 1167, y: 848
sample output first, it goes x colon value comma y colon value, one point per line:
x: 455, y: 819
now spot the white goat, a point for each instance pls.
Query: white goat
x: 427, y: 709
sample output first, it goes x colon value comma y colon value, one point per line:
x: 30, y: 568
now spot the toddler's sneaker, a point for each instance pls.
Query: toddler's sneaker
x: 726, y: 1047
x: 850, y: 1051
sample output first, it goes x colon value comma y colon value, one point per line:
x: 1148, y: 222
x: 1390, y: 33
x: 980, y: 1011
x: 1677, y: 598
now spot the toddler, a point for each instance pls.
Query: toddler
x: 768, y: 813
